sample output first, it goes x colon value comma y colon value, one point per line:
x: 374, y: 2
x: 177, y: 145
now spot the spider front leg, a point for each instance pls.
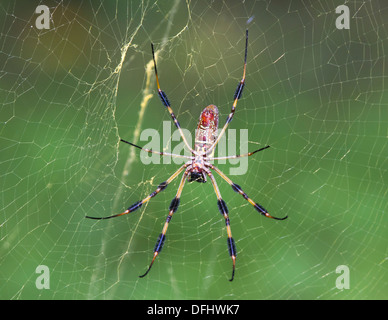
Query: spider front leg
x: 173, y: 208
x: 225, y: 213
x: 166, y: 103
x: 236, y: 97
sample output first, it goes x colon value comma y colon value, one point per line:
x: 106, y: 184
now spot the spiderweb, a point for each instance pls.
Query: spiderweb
x: 316, y: 94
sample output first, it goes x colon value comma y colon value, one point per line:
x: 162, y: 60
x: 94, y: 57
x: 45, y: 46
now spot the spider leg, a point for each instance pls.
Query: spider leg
x: 238, y: 155
x: 166, y: 103
x: 173, y: 208
x: 237, y: 96
x: 238, y: 189
x: 138, y: 204
x: 157, y: 152
x: 224, y: 211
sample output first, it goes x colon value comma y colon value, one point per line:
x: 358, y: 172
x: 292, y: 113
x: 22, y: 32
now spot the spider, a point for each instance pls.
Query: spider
x: 198, y: 167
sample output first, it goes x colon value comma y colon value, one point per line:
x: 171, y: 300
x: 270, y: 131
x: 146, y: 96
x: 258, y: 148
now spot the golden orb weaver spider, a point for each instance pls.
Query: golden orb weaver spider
x: 198, y: 166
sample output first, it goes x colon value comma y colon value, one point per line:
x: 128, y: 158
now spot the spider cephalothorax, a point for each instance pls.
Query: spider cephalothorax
x: 198, y: 167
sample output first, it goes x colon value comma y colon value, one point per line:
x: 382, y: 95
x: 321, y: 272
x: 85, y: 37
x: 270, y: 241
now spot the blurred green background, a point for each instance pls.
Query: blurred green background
x: 316, y: 94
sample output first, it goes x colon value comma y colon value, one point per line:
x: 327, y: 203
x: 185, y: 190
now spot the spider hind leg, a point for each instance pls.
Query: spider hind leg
x: 172, y: 209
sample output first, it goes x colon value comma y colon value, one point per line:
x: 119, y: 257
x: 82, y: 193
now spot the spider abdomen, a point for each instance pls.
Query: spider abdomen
x: 205, y: 137
x: 206, y: 134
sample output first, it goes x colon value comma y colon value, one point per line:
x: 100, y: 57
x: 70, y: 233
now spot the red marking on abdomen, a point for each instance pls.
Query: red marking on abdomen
x: 207, y: 127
